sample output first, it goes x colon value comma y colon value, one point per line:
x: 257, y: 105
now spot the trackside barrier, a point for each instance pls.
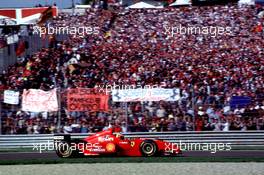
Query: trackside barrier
x: 238, y: 139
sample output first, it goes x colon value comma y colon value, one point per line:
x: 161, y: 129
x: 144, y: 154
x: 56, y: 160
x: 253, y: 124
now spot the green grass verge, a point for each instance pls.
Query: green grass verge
x: 130, y: 160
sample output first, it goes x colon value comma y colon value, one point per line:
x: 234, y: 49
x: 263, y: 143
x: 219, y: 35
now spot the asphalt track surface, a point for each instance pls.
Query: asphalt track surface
x: 248, y: 168
x: 52, y: 155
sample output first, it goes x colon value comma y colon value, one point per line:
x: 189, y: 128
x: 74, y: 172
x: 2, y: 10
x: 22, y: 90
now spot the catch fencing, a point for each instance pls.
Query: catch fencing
x: 35, y: 43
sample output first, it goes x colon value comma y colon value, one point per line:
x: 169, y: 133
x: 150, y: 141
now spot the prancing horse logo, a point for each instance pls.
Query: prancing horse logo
x: 132, y: 144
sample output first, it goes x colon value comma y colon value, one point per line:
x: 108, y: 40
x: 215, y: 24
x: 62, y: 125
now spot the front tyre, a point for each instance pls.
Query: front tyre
x: 148, y: 148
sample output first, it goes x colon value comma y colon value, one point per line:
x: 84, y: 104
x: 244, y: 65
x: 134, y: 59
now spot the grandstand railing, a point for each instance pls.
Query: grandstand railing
x: 247, y: 140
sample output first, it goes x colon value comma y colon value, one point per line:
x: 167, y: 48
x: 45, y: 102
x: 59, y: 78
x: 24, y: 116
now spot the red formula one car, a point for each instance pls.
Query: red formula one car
x: 107, y: 143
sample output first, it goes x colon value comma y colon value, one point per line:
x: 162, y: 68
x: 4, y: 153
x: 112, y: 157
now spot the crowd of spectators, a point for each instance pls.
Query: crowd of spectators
x: 134, y: 48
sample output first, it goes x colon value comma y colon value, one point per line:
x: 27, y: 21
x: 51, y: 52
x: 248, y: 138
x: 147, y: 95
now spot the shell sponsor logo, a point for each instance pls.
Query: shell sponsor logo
x: 110, y: 147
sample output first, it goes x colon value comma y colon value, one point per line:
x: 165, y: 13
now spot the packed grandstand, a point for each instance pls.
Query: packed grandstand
x: 138, y: 47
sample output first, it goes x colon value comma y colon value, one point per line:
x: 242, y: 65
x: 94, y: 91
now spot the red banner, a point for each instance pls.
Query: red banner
x: 83, y: 99
x: 20, y: 48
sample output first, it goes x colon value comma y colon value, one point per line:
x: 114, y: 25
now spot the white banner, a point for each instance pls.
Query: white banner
x: 154, y: 94
x: 11, y: 97
x: 12, y: 39
x: 35, y: 100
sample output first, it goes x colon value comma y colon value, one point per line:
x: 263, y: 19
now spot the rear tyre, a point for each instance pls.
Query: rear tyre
x: 64, y: 150
x: 148, y: 148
